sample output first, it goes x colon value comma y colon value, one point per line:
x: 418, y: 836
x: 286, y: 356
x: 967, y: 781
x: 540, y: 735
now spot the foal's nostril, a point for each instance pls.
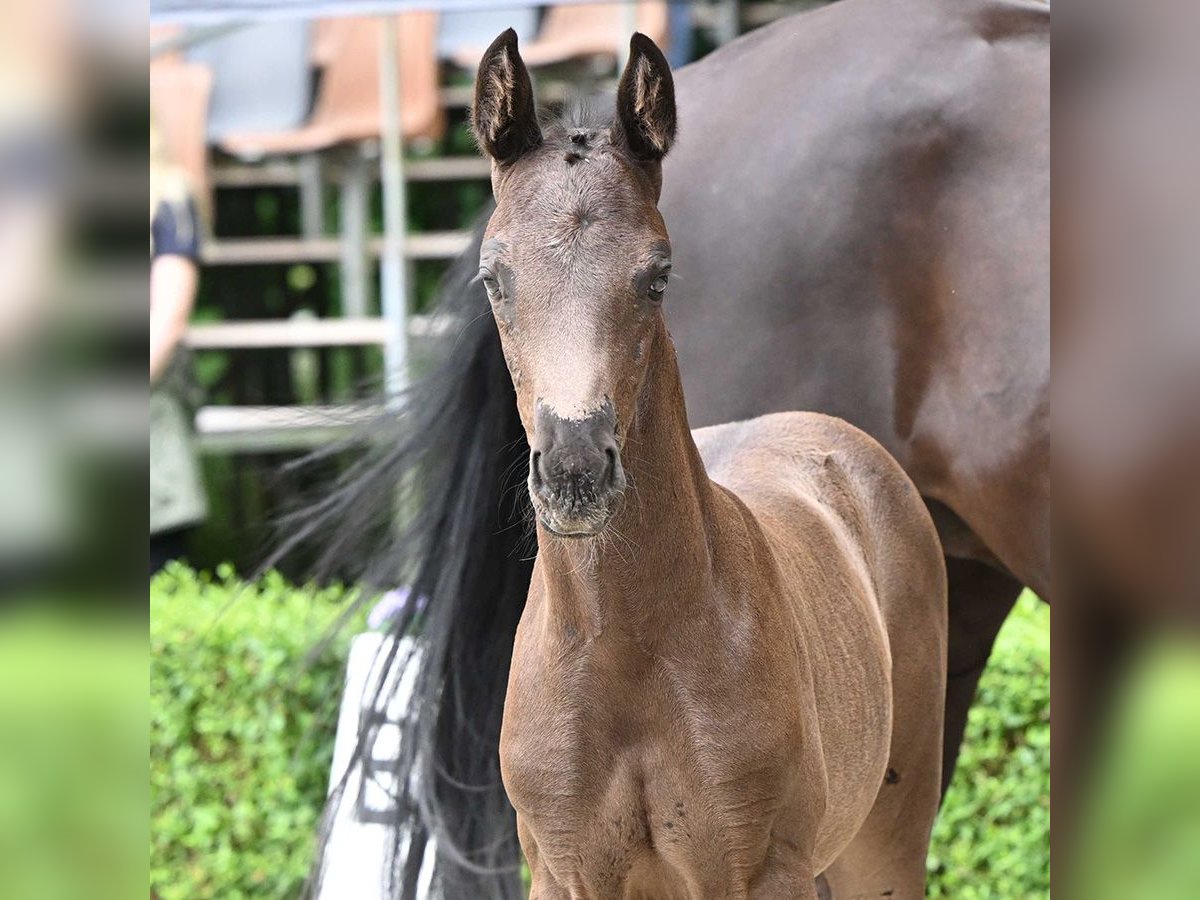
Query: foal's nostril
x: 610, y: 473
x: 535, y: 466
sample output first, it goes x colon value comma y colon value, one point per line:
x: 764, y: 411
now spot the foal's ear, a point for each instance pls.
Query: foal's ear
x: 504, y: 116
x: 646, y: 101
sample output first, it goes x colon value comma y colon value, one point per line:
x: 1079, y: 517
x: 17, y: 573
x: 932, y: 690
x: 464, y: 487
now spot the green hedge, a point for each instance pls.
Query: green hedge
x: 242, y: 734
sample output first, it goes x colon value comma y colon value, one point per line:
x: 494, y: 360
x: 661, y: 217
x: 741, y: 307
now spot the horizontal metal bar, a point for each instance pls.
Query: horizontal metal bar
x: 286, y: 173
x: 463, y: 95
x: 274, y: 251
x: 287, y: 333
x: 270, y: 429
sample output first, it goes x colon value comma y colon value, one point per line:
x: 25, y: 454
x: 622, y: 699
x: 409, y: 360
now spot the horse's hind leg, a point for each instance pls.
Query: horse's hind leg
x: 980, y: 600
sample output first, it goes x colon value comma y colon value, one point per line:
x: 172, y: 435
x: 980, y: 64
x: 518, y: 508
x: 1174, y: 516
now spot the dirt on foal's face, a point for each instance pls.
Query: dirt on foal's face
x: 575, y: 260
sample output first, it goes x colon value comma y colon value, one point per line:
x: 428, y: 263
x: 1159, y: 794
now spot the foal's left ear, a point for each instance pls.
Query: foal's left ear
x: 646, y: 101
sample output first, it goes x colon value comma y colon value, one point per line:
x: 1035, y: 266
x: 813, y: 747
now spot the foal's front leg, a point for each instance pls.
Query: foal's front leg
x: 543, y: 886
x: 786, y: 875
x: 784, y: 885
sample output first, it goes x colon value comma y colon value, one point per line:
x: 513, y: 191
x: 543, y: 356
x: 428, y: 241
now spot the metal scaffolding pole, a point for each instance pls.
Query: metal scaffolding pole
x: 392, y: 274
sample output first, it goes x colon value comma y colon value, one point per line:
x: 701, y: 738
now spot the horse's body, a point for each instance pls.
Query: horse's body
x: 752, y: 694
x: 859, y: 208
x: 711, y: 679
x: 878, y: 239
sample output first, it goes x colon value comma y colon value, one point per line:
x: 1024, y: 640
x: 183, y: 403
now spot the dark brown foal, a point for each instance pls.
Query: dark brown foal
x: 729, y: 675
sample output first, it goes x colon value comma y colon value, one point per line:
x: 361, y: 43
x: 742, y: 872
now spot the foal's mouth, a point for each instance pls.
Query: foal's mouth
x: 575, y: 529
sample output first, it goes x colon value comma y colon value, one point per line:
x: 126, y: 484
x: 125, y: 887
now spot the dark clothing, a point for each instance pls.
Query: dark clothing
x: 177, y: 498
x: 175, y: 231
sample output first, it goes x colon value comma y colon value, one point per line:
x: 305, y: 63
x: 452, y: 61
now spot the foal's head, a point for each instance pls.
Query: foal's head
x: 575, y: 260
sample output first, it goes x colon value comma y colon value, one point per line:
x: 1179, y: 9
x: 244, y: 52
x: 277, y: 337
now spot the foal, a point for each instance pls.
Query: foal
x: 728, y: 678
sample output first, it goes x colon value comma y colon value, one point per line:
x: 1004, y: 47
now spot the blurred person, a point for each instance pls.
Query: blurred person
x: 36, y: 514
x: 177, y: 500
x: 30, y: 163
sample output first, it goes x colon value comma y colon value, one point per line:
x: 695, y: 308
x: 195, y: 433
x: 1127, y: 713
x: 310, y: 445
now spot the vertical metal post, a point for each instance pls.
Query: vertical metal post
x: 312, y: 197
x: 392, y: 273
x: 628, y: 27
x: 728, y: 21
x: 354, y: 234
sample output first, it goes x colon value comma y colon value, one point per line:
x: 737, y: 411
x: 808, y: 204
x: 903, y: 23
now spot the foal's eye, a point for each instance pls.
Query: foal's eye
x: 490, y: 284
x: 658, y: 287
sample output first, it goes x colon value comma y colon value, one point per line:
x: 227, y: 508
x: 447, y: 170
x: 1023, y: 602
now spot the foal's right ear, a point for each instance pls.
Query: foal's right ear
x: 504, y: 116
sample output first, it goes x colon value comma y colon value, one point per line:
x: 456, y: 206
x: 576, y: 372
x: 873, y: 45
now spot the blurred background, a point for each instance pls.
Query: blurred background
x: 289, y: 133
x: 319, y: 168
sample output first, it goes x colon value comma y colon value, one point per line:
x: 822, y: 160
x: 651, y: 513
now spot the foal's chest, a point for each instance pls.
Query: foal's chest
x: 621, y: 780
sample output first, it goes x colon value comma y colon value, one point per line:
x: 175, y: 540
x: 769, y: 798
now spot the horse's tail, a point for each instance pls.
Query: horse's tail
x: 449, y: 462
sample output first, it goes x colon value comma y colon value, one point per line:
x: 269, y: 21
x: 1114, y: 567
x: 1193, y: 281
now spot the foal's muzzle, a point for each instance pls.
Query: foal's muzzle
x: 575, y: 474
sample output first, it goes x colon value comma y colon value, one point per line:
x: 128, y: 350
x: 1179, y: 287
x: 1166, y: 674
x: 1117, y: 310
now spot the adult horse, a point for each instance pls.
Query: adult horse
x: 728, y: 678
x: 859, y: 199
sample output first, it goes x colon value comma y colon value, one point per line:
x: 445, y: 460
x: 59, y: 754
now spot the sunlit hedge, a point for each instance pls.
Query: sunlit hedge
x: 242, y: 735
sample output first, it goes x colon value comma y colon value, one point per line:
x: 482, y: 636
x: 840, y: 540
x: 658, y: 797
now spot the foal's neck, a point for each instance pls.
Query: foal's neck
x: 655, y: 557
